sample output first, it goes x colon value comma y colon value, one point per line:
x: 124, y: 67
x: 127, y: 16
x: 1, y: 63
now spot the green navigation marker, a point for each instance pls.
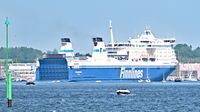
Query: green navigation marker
x: 8, y: 76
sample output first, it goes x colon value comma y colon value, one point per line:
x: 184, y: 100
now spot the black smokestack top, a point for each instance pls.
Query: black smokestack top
x: 65, y: 40
x: 97, y: 39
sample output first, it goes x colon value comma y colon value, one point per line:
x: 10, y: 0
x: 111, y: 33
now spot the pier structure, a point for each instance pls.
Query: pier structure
x: 2, y: 72
x: 23, y: 71
x: 186, y: 71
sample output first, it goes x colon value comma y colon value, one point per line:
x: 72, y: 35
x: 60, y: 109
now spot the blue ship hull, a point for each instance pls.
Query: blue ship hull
x: 155, y: 73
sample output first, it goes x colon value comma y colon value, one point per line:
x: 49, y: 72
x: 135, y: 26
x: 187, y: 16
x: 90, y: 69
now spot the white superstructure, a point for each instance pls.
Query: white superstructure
x: 144, y: 48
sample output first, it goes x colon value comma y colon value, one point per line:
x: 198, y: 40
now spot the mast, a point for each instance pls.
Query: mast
x: 111, y: 34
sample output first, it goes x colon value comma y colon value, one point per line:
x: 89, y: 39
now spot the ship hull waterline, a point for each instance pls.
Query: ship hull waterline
x: 156, y: 73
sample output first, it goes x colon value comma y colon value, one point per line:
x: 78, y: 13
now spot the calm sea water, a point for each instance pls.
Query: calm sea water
x: 101, y: 97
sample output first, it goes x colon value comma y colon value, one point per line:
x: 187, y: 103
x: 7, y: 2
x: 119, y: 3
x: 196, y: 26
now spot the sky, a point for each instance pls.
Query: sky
x: 41, y: 23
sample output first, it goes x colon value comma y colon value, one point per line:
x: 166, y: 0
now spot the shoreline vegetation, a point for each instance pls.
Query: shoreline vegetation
x: 184, y: 54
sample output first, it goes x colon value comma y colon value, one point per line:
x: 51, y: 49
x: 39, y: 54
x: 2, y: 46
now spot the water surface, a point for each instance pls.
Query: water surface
x: 65, y: 96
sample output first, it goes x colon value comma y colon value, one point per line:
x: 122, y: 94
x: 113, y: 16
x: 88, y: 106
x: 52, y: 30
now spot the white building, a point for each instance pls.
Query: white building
x: 2, y: 71
x: 186, y: 71
x: 22, y: 71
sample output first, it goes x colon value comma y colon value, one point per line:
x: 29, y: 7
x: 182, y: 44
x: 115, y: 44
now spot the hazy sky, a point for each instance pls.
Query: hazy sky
x: 41, y: 23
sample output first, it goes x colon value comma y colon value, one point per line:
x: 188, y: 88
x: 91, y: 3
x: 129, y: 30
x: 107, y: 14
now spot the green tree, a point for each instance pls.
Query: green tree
x: 22, y: 54
x: 185, y: 53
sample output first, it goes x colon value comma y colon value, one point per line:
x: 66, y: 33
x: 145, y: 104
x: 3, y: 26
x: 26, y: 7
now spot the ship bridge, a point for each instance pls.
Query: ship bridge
x: 147, y: 35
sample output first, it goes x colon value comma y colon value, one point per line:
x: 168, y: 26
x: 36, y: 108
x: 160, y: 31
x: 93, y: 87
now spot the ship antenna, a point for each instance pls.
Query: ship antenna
x: 111, y: 34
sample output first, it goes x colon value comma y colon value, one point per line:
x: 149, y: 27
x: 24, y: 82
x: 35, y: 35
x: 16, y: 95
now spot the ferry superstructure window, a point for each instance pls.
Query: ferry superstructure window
x: 147, y: 33
x: 148, y: 45
x: 144, y: 41
x: 133, y: 45
x: 120, y: 45
x: 109, y: 45
x: 100, y: 50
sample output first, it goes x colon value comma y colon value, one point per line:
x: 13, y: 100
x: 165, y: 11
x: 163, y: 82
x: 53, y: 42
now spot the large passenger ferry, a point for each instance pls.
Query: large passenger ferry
x: 144, y: 58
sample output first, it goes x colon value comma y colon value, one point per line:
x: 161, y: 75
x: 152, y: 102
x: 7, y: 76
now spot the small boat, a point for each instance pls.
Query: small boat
x: 140, y: 80
x: 147, y: 80
x: 192, y: 78
x: 177, y: 80
x: 163, y: 81
x: 98, y: 81
x: 56, y: 81
x: 123, y: 92
x: 30, y: 83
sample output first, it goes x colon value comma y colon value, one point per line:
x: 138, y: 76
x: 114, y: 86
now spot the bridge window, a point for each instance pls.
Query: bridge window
x: 152, y: 59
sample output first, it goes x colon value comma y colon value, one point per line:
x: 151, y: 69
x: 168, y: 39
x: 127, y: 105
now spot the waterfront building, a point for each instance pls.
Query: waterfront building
x: 22, y: 71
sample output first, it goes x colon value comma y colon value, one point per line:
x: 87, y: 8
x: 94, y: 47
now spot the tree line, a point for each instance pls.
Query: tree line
x: 21, y: 54
x: 184, y: 54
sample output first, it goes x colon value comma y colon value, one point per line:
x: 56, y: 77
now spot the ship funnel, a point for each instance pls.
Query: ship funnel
x: 147, y: 34
x: 65, y: 40
x: 99, y: 50
x: 96, y: 40
x: 66, y: 48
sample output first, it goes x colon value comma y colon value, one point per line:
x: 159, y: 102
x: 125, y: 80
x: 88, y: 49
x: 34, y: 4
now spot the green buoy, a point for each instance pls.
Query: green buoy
x: 8, y: 76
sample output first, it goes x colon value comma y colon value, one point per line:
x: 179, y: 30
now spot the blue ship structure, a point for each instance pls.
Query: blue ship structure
x: 53, y: 67
x: 115, y: 73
